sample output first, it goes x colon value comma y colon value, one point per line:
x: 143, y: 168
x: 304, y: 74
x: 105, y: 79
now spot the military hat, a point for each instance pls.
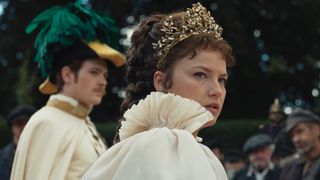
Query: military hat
x: 256, y: 142
x: 72, y: 32
x: 300, y: 116
x: 275, y: 107
x: 20, y: 111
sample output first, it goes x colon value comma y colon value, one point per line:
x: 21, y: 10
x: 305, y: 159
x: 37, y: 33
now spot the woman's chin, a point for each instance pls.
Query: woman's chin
x: 210, y: 123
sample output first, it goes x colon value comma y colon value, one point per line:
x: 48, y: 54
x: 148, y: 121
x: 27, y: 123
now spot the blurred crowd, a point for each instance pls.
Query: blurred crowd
x: 286, y: 148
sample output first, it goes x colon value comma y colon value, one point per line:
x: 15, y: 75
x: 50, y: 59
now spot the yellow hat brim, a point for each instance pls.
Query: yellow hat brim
x: 106, y: 52
x: 47, y: 87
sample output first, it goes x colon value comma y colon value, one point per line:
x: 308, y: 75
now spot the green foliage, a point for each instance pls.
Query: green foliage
x: 277, y: 65
x: 4, y: 134
x: 107, y: 130
x: 288, y: 34
x: 232, y: 132
x: 25, y: 83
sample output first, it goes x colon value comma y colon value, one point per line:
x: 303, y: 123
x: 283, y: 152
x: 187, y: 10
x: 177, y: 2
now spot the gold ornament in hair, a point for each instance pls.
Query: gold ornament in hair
x: 196, y: 21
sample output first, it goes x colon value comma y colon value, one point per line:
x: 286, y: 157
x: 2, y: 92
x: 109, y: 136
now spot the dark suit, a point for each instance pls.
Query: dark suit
x: 6, y: 160
x: 246, y: 174
x: 284, y: 146
x: 294, y: 169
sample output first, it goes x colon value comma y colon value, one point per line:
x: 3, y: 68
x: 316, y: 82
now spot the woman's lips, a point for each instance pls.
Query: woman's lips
x: 213, y: 108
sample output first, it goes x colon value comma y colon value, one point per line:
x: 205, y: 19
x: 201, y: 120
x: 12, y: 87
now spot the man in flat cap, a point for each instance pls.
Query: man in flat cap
x: 259, y: 149
x: 16, y: 121
x: 74, y: 54
x: 303, y: 126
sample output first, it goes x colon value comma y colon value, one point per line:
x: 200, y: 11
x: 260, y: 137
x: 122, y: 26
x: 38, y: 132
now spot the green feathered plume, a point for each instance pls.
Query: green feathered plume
x: 61, y: 26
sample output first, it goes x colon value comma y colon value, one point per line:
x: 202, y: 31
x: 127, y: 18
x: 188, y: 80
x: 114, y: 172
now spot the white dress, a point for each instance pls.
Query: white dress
x: 156, y: 143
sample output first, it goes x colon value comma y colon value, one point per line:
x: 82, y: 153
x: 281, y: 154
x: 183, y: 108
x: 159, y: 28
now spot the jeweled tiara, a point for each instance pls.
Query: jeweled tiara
x: 197, y: 21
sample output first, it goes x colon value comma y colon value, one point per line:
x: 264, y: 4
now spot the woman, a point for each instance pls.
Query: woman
x: 177, y: 70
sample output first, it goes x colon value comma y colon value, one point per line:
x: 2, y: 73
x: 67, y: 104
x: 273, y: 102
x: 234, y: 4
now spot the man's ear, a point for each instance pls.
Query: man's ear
x: 67, y: 75
x: 158, y: 79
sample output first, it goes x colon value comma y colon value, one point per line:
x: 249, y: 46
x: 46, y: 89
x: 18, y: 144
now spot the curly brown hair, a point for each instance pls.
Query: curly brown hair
x: 142, y: 59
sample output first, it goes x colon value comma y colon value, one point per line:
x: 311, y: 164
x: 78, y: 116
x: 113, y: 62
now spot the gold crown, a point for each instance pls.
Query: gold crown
x: 197, y: 21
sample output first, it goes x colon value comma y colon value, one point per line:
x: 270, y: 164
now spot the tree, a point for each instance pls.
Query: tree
x: 276, y: 44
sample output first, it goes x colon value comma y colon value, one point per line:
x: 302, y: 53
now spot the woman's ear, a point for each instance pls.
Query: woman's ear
x: 66, y: 75
x: 158, y: 79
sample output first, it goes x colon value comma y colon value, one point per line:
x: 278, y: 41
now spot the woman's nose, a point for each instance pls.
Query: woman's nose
x: 215, y: 89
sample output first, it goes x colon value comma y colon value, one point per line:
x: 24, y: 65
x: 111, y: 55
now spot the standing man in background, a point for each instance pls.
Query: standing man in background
x: 16, y: 121
x: 303, y: 127
x: 259, y: 149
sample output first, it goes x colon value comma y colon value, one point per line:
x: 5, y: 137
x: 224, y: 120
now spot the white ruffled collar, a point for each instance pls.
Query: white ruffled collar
x: 159, y: 110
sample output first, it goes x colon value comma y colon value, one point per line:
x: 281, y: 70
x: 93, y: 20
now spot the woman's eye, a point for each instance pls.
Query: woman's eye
x: 200, y: 75
x: 222, y: 81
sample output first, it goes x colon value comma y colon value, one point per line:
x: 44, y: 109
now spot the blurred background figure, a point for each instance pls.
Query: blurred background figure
x: 16, y: 121
x: 259, y: 149
x: 276, y: 116
x: 303, y: 126
x: 234, y: 160
x: 216, y: 146
x: 276, y: 131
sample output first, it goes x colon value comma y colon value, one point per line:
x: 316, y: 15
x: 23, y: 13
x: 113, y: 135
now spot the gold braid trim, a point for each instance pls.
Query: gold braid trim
x: 80, y: 111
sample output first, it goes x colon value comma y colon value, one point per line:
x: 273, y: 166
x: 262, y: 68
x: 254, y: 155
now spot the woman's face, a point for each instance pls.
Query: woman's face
x: 202, y: 78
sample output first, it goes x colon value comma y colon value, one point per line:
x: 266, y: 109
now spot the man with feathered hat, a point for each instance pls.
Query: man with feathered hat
x: 60, y: 141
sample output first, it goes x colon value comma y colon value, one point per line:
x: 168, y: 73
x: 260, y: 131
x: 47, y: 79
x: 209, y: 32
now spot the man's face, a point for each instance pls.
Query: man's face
x: 88, y: 86
x: 305, y: 137
x: 260, y: 158
x: 276, y: 117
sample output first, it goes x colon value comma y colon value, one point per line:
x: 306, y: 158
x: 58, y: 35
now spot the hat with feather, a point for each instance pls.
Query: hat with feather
x: 72, y: 32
